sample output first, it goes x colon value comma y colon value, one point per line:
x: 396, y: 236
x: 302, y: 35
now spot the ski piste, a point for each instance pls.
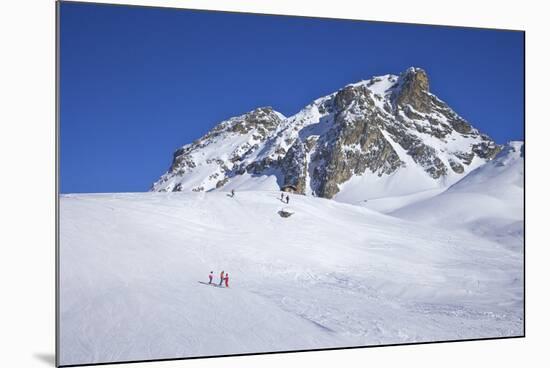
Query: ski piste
x: 341, y: 274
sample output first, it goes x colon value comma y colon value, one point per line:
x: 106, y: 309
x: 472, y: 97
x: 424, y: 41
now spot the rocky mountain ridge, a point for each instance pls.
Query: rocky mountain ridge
x: 386, y: 135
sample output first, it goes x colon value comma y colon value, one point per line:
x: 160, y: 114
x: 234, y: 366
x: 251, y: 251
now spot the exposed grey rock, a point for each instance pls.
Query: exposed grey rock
x: 457, y: 167
x: 285, y: 214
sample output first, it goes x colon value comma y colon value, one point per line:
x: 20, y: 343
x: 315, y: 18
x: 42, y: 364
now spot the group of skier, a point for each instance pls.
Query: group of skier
x: 283, y: 197
x: 224, y: 277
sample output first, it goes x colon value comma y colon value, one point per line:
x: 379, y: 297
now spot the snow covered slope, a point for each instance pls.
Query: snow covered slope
x: 488, y: 201
x: 386, y: 136
x: 330, y: 275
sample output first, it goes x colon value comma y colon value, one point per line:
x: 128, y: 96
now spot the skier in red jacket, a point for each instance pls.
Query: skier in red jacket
x: 226, y: 280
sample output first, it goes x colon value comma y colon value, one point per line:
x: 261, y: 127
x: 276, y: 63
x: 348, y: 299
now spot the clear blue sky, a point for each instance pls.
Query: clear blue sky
x: 137, y: 83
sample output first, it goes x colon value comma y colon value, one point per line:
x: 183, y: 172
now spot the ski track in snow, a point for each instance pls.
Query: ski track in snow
x: 331, y: 275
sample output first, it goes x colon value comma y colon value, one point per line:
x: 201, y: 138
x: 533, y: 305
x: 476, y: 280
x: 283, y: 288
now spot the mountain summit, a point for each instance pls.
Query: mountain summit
x: 388, y: 135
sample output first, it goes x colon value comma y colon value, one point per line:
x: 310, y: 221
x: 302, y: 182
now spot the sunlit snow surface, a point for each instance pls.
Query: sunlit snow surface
x: 438, y: 266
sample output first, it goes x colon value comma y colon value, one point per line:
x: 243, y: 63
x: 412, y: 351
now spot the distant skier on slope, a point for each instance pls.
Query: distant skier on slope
x: 282, y: 196
x: 210, y: 277
x: 226, y: 280
x: 232, y: 193
x: 221, y: 277
x: 287, y: 198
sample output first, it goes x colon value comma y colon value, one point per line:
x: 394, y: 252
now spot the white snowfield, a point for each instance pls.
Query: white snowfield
x: 487, y: 202
x: 133, y: 268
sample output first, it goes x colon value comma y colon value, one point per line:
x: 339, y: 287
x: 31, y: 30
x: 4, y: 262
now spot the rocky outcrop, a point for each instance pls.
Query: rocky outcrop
x: 413, y: 90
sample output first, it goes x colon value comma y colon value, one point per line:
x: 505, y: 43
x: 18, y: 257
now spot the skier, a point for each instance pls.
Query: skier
x: 221, y: 277
x: 210, y: 277
x: 232, y: 193
x: 226, y: 280
x: 282, y: 196
x: 287, y: 198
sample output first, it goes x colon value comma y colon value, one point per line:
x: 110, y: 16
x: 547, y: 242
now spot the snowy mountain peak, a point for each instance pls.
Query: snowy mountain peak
x: 498, y: 175
x: 413, y: 89
x: 387, y: 135
x: 261, y: 117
